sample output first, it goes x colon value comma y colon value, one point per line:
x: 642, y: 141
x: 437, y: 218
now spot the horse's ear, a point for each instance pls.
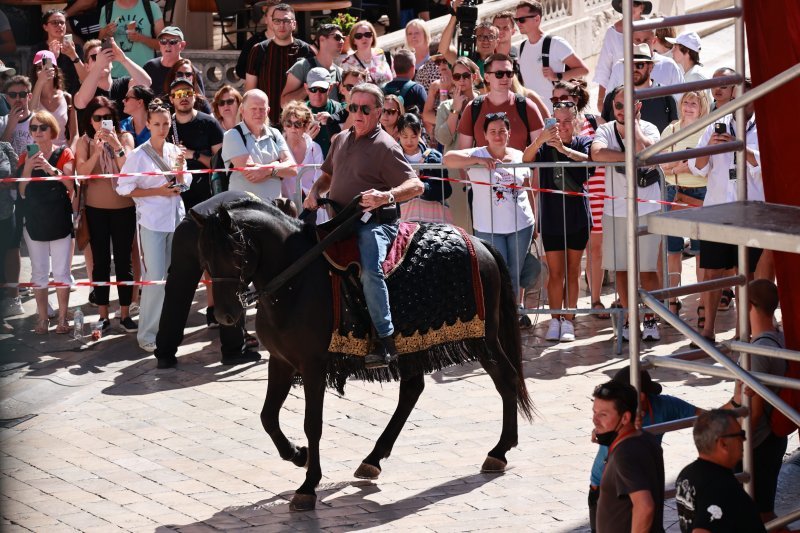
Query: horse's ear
x: 225, y: 218
x: 199, y: 219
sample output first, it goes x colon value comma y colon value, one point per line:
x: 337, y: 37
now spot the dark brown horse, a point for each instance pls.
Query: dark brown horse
x: 249, y: 241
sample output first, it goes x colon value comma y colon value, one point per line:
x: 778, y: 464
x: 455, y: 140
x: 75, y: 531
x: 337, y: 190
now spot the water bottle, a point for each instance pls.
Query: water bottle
x: 77, y: 324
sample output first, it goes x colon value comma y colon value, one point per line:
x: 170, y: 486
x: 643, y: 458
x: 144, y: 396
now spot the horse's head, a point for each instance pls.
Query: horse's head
x: 229, y: 257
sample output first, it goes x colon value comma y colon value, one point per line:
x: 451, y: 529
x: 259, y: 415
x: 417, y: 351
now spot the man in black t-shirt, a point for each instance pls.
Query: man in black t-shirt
x: 171, y: 44
x: 199, y: 133
x: 708, y: 496
x: 632, y: 488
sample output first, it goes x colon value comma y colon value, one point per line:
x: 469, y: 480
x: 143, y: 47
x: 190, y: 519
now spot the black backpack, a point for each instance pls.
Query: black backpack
x: 545, y: 55
x: 519, y: 100
x: 148, y: 11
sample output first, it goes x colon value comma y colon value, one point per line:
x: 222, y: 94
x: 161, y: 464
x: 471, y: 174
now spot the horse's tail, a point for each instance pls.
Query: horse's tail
x: 508, y: 332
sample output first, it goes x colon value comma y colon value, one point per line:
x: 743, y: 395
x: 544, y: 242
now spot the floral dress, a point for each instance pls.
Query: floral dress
x: 379, y: 70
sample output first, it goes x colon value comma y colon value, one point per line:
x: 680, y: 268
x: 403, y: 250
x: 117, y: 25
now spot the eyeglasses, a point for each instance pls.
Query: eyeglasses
x: 18, y: 94
x: 367, y: 34
x: 500, y: 74
x: 365, y: 109
x: 184, y: 93
x: 292, y: 124
x: 486, y: 37
x: 463, y: 76
x: 171, y: 42
x: 640, y: 65
x: 348, y: 86
x: 227, y: 101
x: 317, y: 90
x: 39, y: 127
x: 739, y: 434
x: 93, y: 57
x: 184, y: 75
x: 285, y: 21
x: 500, y: 115
x: 389, y: 111
x: 57, y: 22
x: 522, y: 20
x: 562, y: 98
x: 563, y: 105
x: 98, y: 118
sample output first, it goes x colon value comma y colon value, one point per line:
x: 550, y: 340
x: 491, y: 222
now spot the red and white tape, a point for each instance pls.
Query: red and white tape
x: 89, y: 283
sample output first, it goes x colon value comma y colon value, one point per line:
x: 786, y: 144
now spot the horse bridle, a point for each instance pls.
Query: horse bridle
x: 244, y: 296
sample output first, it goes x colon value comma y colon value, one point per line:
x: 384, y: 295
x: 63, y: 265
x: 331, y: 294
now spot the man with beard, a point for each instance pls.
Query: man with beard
x: 632, y: 488
x: 329, y: 43
x: 661, y: 111
x: 199, y: 133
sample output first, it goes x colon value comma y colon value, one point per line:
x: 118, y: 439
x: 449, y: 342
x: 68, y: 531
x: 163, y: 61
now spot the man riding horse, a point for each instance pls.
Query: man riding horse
x: 366, y: 160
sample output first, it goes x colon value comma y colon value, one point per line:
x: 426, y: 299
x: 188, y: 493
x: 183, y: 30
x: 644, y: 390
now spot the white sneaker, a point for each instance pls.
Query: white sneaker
x: 553, y: 330
x: 567, y: 331
x: 650, y: 331
x: 149, y: 347
x: 12, y: 307
x: 133, y: 309
x: 626, y: 332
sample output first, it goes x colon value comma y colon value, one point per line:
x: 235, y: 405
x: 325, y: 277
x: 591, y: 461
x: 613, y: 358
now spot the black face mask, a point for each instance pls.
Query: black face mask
x: 605, y: 439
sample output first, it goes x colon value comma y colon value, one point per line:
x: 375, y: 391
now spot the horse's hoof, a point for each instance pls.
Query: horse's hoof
x: 366, y: 471
x: 493, y: 465
x: 303, y: 502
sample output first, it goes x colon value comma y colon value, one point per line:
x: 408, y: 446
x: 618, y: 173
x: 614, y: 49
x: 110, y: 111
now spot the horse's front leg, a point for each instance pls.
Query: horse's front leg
x: 279, y: 383
x: 305, y: 499
x: 410, y: 390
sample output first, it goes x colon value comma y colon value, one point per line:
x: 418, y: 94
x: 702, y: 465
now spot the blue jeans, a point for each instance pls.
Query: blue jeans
x: 675, y: 244
x: 374, y: 241
x: 513, y: 247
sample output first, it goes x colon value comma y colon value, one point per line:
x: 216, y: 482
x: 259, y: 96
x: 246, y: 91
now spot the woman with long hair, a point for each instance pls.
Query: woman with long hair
x: 49, y: 95
x: 47, y: 215
x: 136, y: 102
x: 159, y: 209
x: 111, y: 218
x: 418, y: 40
x: 392, y: 110
x: 687, y: 188
x: 366, y: 55
x: 183, y: 68
x: 226, y: 104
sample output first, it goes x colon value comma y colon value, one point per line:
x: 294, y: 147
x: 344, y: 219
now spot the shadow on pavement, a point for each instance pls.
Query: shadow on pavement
x: 341, y: 506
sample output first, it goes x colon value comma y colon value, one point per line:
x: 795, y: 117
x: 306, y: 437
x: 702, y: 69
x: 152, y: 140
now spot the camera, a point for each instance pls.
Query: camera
x: 467, y: 17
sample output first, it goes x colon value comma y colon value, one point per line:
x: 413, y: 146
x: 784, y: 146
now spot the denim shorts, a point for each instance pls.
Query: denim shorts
x: 675, y: 244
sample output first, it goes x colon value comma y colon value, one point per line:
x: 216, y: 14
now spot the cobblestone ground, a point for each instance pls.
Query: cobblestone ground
x: 97, y: 439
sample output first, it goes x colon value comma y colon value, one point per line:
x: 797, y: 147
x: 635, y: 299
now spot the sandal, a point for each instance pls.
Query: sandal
x: 725, y: 300
x: 42, y: 326
x: 63, y: 326
x: 599, y: 305
x: 701, y: 317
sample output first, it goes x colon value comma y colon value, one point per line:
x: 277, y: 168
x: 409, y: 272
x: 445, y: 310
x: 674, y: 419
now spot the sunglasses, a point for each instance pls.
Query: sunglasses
x: 365, y: 109
x: 348, y: 86
x: 367, y: 34
x: 39, y: 127
x: 57, y: 23
x: 563, y: 105
x: 185, y: 93
x: 282, y: 21
x: 337, y: 36
x: 500, y: 74
x: 292, y: 124
x: 98, y: 118
x: 317, y: 90
x: 521, y: 20
x: 739, y: 434
x: 464, y: 76
x: 20, y: 94
x: 619, y: 106
x: 184, y: 74
x: 389, y: 111
x: 171, y: 42
x: 227, y: 101
x: 441, y: 61
x: 557, y: 99
x: 640, y: 66
x: 93, y: 57
x: 487, y: 37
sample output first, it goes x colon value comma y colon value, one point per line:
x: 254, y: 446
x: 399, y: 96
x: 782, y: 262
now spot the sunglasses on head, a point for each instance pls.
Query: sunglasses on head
x: 389, y: 111
x: 39, y: 127
x: 561, y: 105
x: 18, y: 94
x: 171, y: 42
x: 184, y: 93
x: 293, y: 124
x: 317, y: 90
x: 365, y: 109
x: 98, y: 118
x: 226, y: 101
x: 367, y: 34
x: 500, y: 74
x: 562, y: 98
x: 462, y: 76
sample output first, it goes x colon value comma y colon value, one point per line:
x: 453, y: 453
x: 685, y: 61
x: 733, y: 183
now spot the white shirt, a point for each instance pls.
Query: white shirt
x: 665, y: 72
x: 696, y: 73
x: 306, y: 175
x: 616, y: 182
x: 21, y: 137
x: 721, y: 189
x: 156, y: 213
x: 530, y: 64
x: 498, y: 208
x: 611, y: 52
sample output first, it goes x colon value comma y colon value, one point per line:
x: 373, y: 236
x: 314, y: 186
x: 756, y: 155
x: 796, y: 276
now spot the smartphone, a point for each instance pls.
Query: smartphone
x: 68, y: 38
x: 549, y: 122
x: 107, y: 125
x: 106, y: 44
x: 720, y: 127
x: 47, y: 62
x: 33, y: 149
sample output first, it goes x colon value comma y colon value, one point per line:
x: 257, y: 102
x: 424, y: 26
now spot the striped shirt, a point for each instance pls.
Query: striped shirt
x: 270, y: 62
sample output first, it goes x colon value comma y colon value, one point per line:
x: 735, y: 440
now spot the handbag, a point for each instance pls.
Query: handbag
x: 645, y: 177
x: 82, y: 235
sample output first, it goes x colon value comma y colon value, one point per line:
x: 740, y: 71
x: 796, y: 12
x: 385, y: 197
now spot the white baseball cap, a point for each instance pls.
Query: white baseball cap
x: 688, y: 39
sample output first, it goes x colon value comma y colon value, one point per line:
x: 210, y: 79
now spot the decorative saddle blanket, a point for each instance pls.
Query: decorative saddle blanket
x: 435, y: 296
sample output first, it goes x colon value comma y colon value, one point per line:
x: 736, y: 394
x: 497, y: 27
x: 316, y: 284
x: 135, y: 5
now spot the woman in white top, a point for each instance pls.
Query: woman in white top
x: 296, y: 119
x: 502, y: 212
x: 159, y: 209
x: 49, y: 95
x: 366, y: 56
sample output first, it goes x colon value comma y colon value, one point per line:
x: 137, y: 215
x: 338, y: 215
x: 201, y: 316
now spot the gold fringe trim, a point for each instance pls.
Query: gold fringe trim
x: 472, y: 329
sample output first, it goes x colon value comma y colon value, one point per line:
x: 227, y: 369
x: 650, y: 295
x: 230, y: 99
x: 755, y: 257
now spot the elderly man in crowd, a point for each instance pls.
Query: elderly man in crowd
x: 253, y: 143
x: 171, y: 44
x: 366, y: 160
x: 710, y: 499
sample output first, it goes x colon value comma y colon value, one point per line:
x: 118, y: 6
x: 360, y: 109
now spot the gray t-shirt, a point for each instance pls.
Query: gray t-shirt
x: 263, y: 149
x: 302, y: 67
x: 767, y: 365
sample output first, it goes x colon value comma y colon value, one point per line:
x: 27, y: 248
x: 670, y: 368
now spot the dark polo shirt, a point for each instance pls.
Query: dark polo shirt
x: 374, y: 161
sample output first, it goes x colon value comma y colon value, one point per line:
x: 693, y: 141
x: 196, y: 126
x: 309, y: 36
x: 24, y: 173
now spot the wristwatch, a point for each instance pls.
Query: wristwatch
x: 121, y: 152
x: 391, y: 198
x: 76, y: 60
